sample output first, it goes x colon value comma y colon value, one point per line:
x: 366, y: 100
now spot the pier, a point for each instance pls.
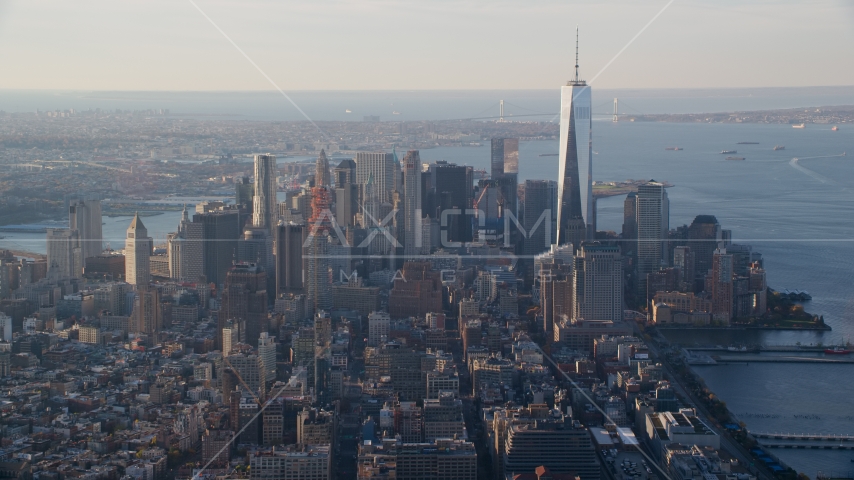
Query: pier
x: 763, y: 349
x: 811, y: 446
x: 809, y: 437
x: 756, y: 358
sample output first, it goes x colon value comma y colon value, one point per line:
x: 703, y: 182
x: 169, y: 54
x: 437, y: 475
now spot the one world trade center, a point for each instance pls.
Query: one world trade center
x: 575, y: 180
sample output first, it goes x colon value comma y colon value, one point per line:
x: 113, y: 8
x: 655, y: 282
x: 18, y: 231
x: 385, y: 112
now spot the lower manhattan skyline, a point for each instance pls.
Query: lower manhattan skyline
x: 590, y: 241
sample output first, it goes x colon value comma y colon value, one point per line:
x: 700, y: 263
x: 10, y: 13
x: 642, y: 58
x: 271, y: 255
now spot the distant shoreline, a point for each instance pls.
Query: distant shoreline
x: 811, y: 116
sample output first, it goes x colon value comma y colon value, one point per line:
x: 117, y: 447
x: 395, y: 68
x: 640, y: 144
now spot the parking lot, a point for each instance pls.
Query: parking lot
x: 629, y: 466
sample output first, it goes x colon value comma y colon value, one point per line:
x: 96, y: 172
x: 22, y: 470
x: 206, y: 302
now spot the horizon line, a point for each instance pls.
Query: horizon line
x: 425, y: 90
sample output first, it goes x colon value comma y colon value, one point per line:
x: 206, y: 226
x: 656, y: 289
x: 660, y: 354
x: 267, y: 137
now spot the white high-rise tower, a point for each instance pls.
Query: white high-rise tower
x: 575, y: 171
x: 138, y: 247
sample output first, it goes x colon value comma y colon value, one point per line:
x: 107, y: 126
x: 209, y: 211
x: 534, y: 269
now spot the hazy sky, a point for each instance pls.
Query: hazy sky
x: 421, y: 44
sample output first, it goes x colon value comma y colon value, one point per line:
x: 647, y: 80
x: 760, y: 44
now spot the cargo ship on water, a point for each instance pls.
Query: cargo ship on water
x: 735, y: 158
x: 676, y: 149
x: 802, y: 125
x: 779, y: 147
x: 727, y: 152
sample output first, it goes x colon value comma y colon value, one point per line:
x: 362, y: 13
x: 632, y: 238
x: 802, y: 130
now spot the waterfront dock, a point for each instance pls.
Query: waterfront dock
x: 756, y: 358
x: 724, y: 356
x: 809, y: 437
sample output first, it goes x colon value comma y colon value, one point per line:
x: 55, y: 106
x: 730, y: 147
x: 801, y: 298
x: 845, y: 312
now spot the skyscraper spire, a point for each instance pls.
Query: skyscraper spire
x: 576, y: 80
x: 321, y: 174
x: 575, y: 192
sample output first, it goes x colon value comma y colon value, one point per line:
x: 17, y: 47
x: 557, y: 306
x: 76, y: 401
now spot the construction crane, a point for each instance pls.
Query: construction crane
x: 479, y: 198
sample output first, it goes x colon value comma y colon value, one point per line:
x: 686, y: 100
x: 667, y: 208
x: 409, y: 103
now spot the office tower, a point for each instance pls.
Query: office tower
x: 219, y: 229
x: 256, y: 246
x: 5, y: 327
x: 346, y: 193
x: 665, y: 398
x: 64, y: 252
x: 598, y: 283
x: 758, y: 287
x: 216, y: 447
x: 174, y: 252
x: 322, y: 328
x: 398, y: 173
x: 471, y: 334
x: 447, y: 196
x: 505, y: 156
x: 293, y: 462
x: 538, y: 212
x: 721, y: 286
x: 556, y: 292
x: 444, y: 459
x: 250, y: 369
x: 652, y: 225
x: 244, y: 194
x: 344, y: 173
x: 402, y: 365
x: 575, y: 171
x: 84, y: 215
x: 138, y: 248
x: 267, y: 352
x: 380, y: 168
x: 147, y: 317
x: 436, y: 320
x: 317, y: 274
x: 302, y: 351
x: 550, y: 439
x: 322, y: 375
x: 505, y: 170
x: 402, y: 419
x: 412, y: 203
x: 443, y: 417
x: 289, y: 261
x: 264, y: 203
x: 230, y: 337
x: 378, y: 328
x: 417, y: 292
x: 317, y: 254
x: 683, y: 259
x: 273, y: 422
x: 630, y: 223
x: 112, y: 297
x: 322, y: 177
x: 316, y: 427
x: 703, y: 237
x: 186, y: 250
x: 244, y: 300
x: 491, y: 372
x: 355, y: 295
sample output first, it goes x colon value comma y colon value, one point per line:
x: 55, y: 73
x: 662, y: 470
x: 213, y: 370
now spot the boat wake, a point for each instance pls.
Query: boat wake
x: 821, y: 178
